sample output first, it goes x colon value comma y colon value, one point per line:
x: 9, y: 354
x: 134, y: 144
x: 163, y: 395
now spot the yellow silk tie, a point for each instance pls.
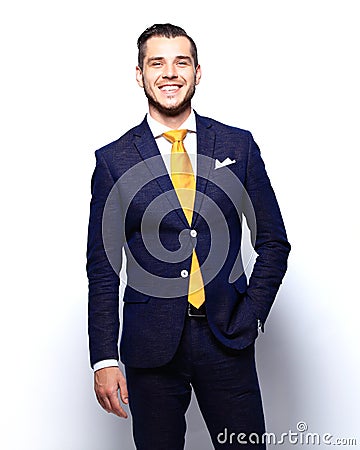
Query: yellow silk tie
x: 183, y: 179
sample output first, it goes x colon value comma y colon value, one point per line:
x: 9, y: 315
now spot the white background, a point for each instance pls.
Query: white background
x: 286, y: 70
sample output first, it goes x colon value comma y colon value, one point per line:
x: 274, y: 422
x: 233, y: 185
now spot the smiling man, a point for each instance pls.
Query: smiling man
x: 190, y: 317
x: 166, y: 72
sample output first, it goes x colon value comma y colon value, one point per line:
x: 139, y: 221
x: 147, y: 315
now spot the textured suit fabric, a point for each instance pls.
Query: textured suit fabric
x: 225, y: 384
x: 153, y: 322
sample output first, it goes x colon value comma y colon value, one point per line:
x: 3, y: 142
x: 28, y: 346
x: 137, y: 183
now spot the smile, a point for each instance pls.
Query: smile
x: 170, y: 88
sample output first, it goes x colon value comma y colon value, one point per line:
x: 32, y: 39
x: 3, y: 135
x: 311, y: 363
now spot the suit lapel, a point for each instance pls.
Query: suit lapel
x: 205, y: 151
x: 146, y: 145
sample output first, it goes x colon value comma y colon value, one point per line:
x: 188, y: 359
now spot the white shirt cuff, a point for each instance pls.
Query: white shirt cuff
x: 105, y: 363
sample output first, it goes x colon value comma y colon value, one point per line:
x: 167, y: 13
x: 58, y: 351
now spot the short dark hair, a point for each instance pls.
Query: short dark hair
x: 163, y: 30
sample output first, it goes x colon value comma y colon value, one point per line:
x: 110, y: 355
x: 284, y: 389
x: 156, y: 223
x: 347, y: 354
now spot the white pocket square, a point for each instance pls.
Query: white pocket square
x: 224, y: 163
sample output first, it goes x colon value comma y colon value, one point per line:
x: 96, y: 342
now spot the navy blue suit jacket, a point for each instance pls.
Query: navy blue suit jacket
x: 134, y: 206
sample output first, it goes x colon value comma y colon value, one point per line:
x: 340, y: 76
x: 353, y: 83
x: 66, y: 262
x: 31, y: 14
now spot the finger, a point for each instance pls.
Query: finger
x: 104, y: 403
x: 116, y: 407
x: 123, y: 390
x: 112, y: 405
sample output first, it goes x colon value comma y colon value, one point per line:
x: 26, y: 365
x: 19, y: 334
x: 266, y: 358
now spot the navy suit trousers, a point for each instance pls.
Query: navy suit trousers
x: 226, y: 386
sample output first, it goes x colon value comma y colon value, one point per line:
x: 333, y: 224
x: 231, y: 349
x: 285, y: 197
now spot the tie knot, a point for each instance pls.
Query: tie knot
x: 175, y: 135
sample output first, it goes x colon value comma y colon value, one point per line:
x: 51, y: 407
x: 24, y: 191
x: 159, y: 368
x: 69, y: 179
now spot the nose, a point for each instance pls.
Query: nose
x: 169, y: 71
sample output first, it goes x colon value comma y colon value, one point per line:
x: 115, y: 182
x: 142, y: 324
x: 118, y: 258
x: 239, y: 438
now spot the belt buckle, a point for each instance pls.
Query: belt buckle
x: 194, y: 315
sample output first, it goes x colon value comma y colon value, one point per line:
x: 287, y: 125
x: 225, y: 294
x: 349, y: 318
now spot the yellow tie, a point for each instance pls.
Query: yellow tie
x: 183, y: 179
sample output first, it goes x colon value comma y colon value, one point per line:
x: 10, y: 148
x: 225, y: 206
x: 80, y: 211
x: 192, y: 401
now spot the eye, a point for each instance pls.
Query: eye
x: 182, y: 63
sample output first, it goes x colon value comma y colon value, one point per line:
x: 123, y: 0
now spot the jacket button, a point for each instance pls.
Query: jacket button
x: 184, y: 273
x: 193, y: 233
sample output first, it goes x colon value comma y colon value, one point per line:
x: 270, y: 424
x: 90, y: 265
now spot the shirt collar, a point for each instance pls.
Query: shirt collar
x: 158, y: 128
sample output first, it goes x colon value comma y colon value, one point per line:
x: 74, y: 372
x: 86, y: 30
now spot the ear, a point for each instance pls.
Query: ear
x: 139, y: 77
x: 197, y: 74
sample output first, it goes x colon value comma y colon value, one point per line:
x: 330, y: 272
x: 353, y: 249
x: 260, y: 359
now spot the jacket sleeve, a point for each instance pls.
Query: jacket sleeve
x: 103, y: 300
x: 270, y: 238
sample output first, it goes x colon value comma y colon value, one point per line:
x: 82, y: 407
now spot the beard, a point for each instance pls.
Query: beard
x: 170, y: 111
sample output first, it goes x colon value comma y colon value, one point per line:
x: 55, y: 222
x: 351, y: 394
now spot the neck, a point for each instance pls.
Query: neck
x: 173, y: 122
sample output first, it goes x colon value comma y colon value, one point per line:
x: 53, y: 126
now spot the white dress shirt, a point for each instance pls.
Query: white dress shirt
x: 164, y: 146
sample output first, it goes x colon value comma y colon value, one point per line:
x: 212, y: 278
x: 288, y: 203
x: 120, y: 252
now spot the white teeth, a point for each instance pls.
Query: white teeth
x: 169, y: 88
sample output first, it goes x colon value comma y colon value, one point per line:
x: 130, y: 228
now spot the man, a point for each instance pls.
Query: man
x: 190, y: 316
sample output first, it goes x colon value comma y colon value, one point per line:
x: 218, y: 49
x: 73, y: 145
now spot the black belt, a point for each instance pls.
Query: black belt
x: 196, y: 312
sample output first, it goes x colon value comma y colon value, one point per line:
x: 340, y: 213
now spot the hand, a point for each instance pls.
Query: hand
x: 107, y: 382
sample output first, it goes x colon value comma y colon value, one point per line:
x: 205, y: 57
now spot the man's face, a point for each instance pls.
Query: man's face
x: 168, y: 76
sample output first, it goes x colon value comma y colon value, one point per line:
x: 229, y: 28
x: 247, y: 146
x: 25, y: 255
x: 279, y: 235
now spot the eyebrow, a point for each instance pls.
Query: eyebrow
x: 161, y: 58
